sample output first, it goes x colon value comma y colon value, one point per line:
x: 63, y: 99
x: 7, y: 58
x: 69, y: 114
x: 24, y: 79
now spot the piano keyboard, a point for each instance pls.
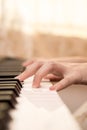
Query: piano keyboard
x: 41, y: 109
x: 9, y: 88
x: 34, y: 109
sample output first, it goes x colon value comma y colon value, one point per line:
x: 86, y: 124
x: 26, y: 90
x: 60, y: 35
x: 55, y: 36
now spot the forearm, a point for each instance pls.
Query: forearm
x: 74, y: 59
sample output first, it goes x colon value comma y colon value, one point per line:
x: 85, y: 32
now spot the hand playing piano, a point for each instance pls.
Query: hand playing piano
x: 66, y: 71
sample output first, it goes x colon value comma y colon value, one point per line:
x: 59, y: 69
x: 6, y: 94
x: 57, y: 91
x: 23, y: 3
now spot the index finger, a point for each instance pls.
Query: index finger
x: 31, y: 70
x: 46, y: 69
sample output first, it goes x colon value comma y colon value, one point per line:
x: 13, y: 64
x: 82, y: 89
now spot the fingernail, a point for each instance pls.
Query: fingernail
x: 52, y: 88
x: 16, y: 77
x: 19, y: 79
x: 33, y: 86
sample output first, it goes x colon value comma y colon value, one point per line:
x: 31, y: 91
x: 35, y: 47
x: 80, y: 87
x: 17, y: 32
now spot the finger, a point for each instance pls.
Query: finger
x: 53, y: 77
x: 67, y: 81
x: 59, y: 69
x: 44, y: 70
x: 26, y: 63
x: 31, y: 70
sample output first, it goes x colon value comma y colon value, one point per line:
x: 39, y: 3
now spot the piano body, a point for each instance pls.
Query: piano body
x: 25, y: 108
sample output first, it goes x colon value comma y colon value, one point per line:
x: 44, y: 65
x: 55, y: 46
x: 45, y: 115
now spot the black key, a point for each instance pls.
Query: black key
x: 4, y: 106
x: 9, y: 99
x: 13, y: 88
x: 4, y: 123
x: 8, y: 92
x: 9, y: 74
x: 11, y: 79
x: 11, y: 83
x: 11, y: 69
x: 11, y: 59
x: 4, y: 115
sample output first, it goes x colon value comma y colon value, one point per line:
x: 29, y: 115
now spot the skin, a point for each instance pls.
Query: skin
x: 66, y: 71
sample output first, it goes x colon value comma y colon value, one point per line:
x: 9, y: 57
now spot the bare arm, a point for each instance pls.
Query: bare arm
x: 59, y: 59
x: 71, y: 59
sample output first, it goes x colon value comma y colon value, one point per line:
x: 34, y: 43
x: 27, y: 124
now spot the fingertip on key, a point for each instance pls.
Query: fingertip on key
x: 52, y: 88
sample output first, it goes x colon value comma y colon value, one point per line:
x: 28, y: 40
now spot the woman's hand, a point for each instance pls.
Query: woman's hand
x: 66, y: 73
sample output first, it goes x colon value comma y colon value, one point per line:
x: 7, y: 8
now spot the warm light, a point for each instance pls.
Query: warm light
x: 66, y: 17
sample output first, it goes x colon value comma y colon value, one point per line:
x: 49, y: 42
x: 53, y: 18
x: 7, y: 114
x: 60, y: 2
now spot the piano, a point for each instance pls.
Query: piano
x: 25, y: 108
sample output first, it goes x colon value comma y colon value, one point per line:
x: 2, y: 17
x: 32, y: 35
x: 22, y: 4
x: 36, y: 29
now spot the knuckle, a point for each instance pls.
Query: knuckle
x: 51, y: 64
x: 38, y: 74
x: 38, y: 63
x: 68, y: 80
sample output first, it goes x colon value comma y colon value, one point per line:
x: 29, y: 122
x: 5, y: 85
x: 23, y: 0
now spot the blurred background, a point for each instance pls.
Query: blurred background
x: 43, y: 28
